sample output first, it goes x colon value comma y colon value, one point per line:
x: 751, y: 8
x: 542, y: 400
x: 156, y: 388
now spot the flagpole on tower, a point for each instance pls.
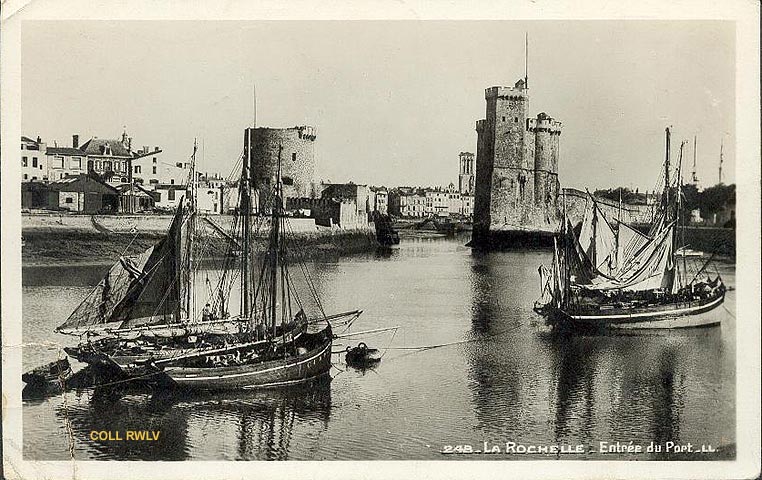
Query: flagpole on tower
x: 526, y: 60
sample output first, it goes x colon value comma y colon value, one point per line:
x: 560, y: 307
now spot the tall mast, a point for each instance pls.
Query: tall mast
x: 274, y: 249
x: 694, y: 177
x: 721, y: 145
x: 245, y: 213
x: 186, y: 210
x: 192, y: 234
x: 679, y: 207
x: 526, y: 60
x: 665, y: 196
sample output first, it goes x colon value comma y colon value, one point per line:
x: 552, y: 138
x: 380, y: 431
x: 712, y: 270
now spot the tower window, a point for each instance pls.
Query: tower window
x: 293, y: 157
x: 515, y: 119
x: 503, y: 118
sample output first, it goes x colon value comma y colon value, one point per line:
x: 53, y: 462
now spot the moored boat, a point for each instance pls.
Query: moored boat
x: 141, y: 320
x: 612, y: 276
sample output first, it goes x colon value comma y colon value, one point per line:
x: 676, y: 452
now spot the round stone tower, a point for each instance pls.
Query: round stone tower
x: 261, y: 148
x: 546, y: 136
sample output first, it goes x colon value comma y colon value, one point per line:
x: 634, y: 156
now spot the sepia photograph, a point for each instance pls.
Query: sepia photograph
x: 494, y: 242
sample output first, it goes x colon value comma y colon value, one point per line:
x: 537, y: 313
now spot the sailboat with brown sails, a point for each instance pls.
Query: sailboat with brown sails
x: 614, y: 276
x: 142, y: 319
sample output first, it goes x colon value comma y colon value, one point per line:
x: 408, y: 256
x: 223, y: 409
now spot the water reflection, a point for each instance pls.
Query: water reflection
x: 529, y: 383
x: 256, y: 425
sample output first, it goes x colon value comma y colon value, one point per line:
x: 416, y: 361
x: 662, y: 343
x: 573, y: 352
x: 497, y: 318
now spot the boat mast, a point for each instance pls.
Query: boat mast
x: 183, y: 242
x: 245, y: 212
x: 679, y: 217
x: 275, y: 245
x: 694, y: 177
x: 721, y: 145
x: 665, y: 195
x: 190, y: 308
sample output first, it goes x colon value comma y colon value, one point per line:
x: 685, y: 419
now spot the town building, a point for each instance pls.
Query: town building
x: 148, y: 168
x: 516, y: 170
x: 407, y: 202
x: 110, y: 159
x: 83, y: 194
x: 359, y: 194
x: 212, y: 196
x: 331, y: 212
x: 167, y: 196
x: 380, y: 203
x: 34, y: 165
x: 134, y: 198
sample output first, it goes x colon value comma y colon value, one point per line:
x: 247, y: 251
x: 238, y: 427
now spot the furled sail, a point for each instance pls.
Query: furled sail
x: 155, y: 299
x: 96, y: 309
x: 136, y: 291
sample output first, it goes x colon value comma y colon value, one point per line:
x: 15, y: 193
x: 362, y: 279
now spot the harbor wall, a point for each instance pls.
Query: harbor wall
x: 576, y: 201
x: 54, y: 238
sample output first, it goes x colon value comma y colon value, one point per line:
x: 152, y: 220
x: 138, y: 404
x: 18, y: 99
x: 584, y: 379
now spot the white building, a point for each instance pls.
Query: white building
x: 149, y: 169
x: 380, y: 200
x: 33, y: 160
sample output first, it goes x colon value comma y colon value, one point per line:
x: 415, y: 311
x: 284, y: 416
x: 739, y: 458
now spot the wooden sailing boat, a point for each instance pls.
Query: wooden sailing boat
x: 142, y: 314
x: 615, y: 277
x: 279, y: 348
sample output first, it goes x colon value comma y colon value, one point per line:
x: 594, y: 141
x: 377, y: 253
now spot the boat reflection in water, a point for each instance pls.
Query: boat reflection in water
x: 534, y: 385
x: 241, y: 425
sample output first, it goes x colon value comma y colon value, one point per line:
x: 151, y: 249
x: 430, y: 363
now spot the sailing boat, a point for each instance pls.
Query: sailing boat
x: 280, y: 347
x: 142, y: 314
x: 612, y: 276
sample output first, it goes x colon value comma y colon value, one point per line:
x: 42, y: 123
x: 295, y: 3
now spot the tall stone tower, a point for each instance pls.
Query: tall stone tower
x: 466, y: 173
x: 516, y: 170
x: 297, y: 159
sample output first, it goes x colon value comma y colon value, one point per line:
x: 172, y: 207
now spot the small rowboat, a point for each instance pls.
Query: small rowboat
x: 49, y: 377
x: 361, y: 356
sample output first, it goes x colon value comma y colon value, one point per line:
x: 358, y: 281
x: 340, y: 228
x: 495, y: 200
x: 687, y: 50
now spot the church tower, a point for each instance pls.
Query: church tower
x: 466, y: 173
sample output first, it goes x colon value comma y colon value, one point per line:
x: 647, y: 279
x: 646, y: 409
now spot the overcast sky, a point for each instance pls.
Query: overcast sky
x: 394, y: 102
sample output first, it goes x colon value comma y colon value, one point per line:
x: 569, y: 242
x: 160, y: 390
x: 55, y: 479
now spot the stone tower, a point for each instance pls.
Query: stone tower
x: 516, y: 168
x: 466, y: 173
x: 297, y: 159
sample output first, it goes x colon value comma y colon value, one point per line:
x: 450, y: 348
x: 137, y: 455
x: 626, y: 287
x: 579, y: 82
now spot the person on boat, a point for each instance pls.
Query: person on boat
x: 206, y: 314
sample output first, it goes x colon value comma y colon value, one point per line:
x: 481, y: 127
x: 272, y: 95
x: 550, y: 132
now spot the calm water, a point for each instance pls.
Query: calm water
x: 516, y: 381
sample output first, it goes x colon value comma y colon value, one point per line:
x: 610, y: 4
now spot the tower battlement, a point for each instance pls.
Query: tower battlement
x: 517, y: 92
x: 544, y: 123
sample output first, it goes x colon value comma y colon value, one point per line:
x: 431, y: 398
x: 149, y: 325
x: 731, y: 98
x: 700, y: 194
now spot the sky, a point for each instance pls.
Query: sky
x: 394, y: 102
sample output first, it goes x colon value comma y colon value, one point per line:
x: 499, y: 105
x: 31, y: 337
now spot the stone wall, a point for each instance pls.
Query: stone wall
x: 576, y: 202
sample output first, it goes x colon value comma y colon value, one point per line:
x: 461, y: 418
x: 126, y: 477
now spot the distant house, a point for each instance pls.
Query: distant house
x: 380, y: 199
x: 134, y: 200
x: 33, y: 161
x: 109, y: 158
x: 359, y: 194
x: 148, y: 168
x: 167, y: 197
x: 83, y: 194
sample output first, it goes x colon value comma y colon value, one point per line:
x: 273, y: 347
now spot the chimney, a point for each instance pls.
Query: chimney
x: 75, y: 141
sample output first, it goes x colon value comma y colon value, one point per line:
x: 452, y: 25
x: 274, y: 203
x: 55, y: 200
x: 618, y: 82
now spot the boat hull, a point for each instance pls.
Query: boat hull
x: 700, y: 313
x: 274, y: 373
